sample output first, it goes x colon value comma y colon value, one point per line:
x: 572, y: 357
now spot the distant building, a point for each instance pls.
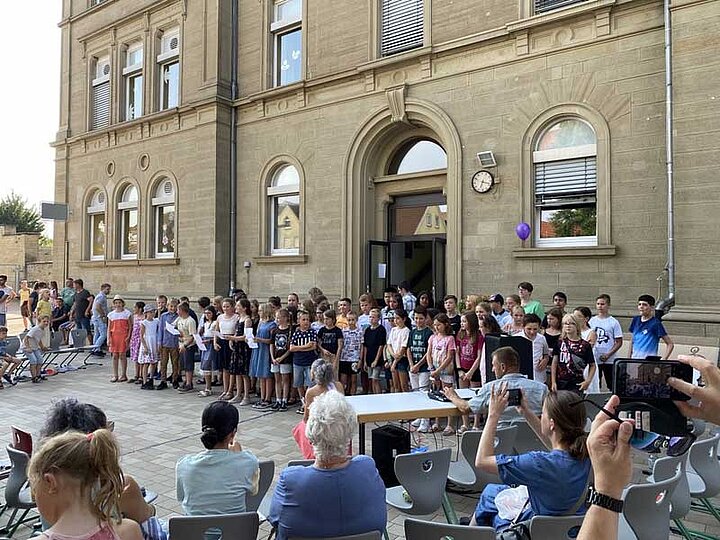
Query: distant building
x: 358, y: 129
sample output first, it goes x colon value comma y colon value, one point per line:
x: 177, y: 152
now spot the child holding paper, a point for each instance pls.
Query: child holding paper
x: 208, y: 358
x: 169, y: 346
x: 260, y: 361
x: 188, y: 328
x: 148, y: 352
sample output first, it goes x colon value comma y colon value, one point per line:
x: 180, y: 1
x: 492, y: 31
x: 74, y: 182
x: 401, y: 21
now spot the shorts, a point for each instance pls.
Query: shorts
x: 25, y: 310
x: 187, y: 358
x: 35, y: 358
x: 420, y: 381
x: 403, y: 365
x: 283, y: 369
x: 301, y: 376
x: 346, y: 368
x: 374, y: 372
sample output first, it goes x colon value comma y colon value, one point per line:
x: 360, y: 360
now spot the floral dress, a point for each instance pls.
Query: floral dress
x: 135, y: 339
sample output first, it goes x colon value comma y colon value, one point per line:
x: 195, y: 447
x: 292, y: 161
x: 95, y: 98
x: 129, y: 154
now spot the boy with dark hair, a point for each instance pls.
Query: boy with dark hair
x: 373, y: 345
x: 647, y: 331
x: 408, y: 298
x: 541, y: 351
x: 525, y: 290
x: 450, y: 304
x: 303, y: 344
x: 559, y: 301
x: 416, y: 353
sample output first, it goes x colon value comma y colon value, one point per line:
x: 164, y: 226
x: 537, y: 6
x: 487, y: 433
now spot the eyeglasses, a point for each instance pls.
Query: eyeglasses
x: 649, y: 441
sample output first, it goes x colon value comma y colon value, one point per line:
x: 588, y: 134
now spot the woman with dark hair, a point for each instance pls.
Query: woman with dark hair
x: 216, y: 480
x: 425, y: 299
x: 562, y: 430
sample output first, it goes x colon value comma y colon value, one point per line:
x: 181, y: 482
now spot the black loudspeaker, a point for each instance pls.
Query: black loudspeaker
x: 387, y: 442
x: 522, y: 346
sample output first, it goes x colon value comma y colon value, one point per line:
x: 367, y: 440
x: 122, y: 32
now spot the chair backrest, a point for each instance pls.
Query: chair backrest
x: 525, y: 439
x: 372, y: 535
x: 416, y: 529
x: 555, y: 527
x: 424, y: 475
x: 469, y: 442
x: 646, y: 510
x: 79, y: 337
x: 56, y: 339
x: 18, y: 476
x: 233, y: 526
x: 267, y: 472
x: 300, y: 462
x: 21, y: 440
x: 703, y: 460
x: 13, y: 346
x: 665, y: 468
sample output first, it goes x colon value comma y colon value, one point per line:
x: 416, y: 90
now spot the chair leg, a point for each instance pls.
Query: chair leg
x: 683, y: 530
x: 386, y: 536
x: 450, y: 515
x: 710, y: 508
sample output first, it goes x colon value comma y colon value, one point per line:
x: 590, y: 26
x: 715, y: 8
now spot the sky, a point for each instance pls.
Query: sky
x: 30, y: 98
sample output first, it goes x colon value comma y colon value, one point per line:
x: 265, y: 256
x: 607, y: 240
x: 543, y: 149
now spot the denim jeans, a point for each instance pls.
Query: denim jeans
x: 100, y: 335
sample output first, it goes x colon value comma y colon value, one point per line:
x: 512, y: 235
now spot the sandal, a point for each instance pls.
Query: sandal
x: 448, y: 431
x: 122, y: 379
x: 114, y: 379
x: 434, y: 428
x: 463, y: 429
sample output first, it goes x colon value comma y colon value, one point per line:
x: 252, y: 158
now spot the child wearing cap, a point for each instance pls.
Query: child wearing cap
x: 148, y: 355
x: 118, y: 337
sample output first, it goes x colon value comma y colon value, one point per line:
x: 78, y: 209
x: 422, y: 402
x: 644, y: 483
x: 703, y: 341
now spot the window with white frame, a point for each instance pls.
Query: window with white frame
x: 163, y: 204
x: 128, y: 218
x: 541, y: 6
x: 133, y: 79
x: 96, y: 226
x: 169, y: 66
x: 565, y: 184
x: 100, y: 94
x: 286, y: 30
x: 284, y: 210
x: 401, y: 25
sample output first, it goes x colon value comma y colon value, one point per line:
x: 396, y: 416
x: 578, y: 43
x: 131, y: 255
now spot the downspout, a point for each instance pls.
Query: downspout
x: 669, y: 301
x: 233, y: 147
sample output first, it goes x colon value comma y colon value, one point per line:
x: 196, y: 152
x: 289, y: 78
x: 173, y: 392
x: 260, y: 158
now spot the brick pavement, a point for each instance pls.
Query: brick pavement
x: 155, y: 428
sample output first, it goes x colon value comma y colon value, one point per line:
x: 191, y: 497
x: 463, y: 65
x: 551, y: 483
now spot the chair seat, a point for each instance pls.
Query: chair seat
x: 696, y: 484
x: 394, y: 497
x: 461, y: 473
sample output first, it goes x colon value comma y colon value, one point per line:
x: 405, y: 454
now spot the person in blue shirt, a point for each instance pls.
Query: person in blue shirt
x: 556, y: 480
x: 647, y: 331
x: 337, y: 495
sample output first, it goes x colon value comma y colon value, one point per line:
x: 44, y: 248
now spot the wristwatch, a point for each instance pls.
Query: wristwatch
x: 604, y: 501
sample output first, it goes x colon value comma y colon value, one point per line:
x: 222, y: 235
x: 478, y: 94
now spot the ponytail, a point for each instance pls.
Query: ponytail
x: 323, y: 372
x: 105, y: 462
x: 569, y: 421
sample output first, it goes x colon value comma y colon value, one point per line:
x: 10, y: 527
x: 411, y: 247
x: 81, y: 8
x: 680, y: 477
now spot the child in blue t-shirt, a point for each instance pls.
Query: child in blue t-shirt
x: 647, y: 331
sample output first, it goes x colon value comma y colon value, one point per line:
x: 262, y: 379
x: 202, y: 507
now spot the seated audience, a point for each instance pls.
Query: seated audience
x: 76, y: 483
x: 562, y: 430
x: 216, y: 480
x: 337, y: 495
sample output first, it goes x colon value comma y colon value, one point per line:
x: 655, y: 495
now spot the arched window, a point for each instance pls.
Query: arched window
x: 163, y: 204
x: 128, y: 220
x: 96, y: 226
x: 565, y: 184
x: 284, y: 211
x: 418, y: 156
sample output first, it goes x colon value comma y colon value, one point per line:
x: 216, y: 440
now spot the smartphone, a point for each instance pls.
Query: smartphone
x: 514, y: 397
x: 647, y: 379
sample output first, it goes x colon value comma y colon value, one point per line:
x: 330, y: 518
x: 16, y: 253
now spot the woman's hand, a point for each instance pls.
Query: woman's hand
x: 498, y: 400
x: 708, y: 395
x: 584, y: 385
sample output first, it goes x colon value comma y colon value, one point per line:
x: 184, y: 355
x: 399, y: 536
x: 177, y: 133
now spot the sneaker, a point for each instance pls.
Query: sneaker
x: 259, y: 405
x: 245, y: 401
x: 176, y: 385
x: 148, y: 385
x: 162, y: 386
x: 424, y: 426
x: 185, y: 388
x: 301, y: 410
x: 275, y: 406
x: 205, y: 393
x: 416, y: 423
x: 283, y: 407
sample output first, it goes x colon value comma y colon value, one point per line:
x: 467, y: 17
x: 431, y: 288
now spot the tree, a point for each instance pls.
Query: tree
x: 14, y: 210
x: 574, y: 222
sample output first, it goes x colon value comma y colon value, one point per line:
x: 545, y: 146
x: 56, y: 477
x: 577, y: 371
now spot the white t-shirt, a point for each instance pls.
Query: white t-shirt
x: 227, y: 325
x: 607, y: 330
x: 540, y: 349
x: 398, y: 338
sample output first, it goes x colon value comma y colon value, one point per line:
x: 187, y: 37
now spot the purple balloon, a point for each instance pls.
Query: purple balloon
x: 523, y: 231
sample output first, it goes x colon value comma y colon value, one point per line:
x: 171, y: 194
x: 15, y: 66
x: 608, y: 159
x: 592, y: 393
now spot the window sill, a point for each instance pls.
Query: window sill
x: 130, y: 262
x: 554, y: 252
x: 404, y: 56
x: 280, y: 259
x: 558, y: 14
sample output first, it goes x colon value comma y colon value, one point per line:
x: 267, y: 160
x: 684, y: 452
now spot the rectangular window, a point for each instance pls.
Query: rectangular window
x: 169, y: 65
x: 566, y: 202
x: 401, y: 26
x: 286, y: 30
x: 286, y: 224
x: 132, y: 73
x: 165, y: 231
x: 97, y: 236
x: 129, y: 247
x: 541, y: 6
x: 100, y: 94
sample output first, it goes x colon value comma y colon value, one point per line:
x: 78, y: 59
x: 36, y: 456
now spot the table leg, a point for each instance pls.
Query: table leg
x: 361, y: 442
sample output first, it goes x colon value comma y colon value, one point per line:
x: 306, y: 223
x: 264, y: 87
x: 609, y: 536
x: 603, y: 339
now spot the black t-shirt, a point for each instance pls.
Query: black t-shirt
x: 59, y: 313
x: 573, y: 356
x: 328, y: 338
x: 82, y: 301
x: 33, y: 300
x: 281, y: 340
x: 455, y: 324
x: 418, y: 345
x: 373, y: 340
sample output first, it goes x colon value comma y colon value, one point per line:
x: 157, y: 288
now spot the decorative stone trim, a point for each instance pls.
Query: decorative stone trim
x: 280, y: 259
x: 562, y: 252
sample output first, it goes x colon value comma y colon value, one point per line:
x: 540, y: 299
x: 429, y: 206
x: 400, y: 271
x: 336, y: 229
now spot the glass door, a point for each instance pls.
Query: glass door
x: 378, y: 269
x: 438, y: 269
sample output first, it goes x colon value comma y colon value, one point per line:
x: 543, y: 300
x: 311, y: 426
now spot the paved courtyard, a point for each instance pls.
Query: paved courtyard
x: 154, y: 429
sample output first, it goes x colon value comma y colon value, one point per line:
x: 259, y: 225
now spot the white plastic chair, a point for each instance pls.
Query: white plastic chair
x: 464, y: 473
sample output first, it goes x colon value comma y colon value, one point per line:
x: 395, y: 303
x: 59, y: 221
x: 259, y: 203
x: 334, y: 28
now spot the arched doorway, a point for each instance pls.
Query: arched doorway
x: 376, y: 189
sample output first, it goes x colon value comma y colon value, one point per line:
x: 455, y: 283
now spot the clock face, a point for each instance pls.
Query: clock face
x: 482, y: 181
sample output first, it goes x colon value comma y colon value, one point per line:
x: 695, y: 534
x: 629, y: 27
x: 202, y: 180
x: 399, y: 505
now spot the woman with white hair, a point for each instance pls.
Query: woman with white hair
x: 337, y: 495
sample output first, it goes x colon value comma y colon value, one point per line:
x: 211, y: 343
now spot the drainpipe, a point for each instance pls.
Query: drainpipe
x: 669, y: 301
x: 233, y: 148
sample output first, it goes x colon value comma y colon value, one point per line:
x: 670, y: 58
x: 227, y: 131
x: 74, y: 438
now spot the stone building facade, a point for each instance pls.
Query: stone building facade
x: 22, y: 257
x: 356, y: 118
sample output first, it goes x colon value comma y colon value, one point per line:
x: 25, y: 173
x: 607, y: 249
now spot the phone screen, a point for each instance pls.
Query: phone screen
x: 647, y: 379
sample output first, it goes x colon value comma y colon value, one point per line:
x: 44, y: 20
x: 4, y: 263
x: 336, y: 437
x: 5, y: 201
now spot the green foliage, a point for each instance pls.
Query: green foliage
x: 574, y: 222
x: 45, y: 241
x: 14, y: 210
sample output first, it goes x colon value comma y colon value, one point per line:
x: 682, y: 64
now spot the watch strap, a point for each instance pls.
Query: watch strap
x: 604, y: 501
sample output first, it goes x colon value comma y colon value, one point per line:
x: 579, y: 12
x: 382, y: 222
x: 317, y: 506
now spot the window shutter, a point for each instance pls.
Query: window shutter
x: 402, y: 26
x: 101, y: 105
x: 541, y: 6
x: 559, y: 182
